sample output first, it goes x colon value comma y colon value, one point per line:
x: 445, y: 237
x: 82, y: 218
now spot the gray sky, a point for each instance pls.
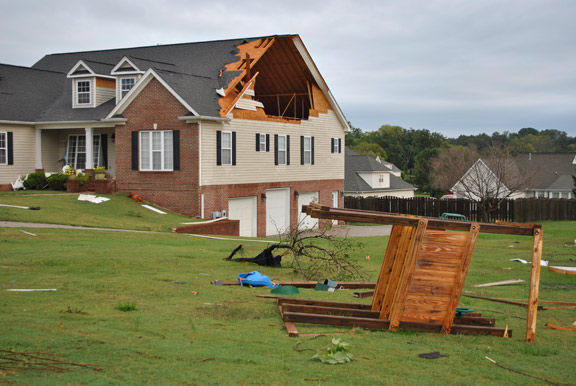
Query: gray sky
x: 456, y: 67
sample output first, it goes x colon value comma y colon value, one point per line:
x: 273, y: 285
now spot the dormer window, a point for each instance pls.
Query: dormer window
x: 83, y: 92
x: 381, y: 178
x: 126, y: 85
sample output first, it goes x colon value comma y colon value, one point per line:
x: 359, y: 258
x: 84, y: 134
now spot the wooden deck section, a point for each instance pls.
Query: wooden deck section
x: 421, y: 278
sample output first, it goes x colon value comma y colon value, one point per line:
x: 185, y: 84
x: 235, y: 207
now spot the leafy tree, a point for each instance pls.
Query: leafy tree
x: 370, y: 148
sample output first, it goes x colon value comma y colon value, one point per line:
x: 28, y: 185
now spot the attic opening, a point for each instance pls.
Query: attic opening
x: 283, y: 86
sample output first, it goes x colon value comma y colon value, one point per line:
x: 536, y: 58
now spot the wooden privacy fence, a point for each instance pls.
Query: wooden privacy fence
x: 520, y: 210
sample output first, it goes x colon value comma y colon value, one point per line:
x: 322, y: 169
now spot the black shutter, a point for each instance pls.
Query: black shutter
x: 287, y: 150
x: 218, y: 147
x: 267, y: 142
x: 10, y: 144
x: 176, y: 149
x: 104, y: 144
x: 312, y: 148
x: 257, y: 141
x: 339, y: 145
x: 134, y: 150
x: 275, y: 149
x: 233, y: 148
x: 301, y: 150
x: 332, y: 145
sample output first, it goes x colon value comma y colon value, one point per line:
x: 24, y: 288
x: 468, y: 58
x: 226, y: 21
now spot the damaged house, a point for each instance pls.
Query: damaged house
x: 245, y: 129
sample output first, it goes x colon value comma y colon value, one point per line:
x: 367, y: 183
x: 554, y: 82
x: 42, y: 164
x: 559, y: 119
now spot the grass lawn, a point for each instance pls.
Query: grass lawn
x: 62, y: 208
x: 225, y: 335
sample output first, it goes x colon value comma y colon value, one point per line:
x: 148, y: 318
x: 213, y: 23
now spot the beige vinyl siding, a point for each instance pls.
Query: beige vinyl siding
x: 24, y: 142
x: 256, y: 167
x: 104, y: 94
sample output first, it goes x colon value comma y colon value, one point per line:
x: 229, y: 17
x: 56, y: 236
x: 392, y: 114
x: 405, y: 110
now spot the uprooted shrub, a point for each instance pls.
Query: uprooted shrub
x: 35, y: 181
x: 57, y: 181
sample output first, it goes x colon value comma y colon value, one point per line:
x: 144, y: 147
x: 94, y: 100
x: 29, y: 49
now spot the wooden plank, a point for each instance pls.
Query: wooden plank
x: 313, y: 309
x: 562, y: 271
x: 497, y: 300
x: 561, y: 303
x: 387, y: 301
x: 410, y: 263
x: 386, y: 268
x: 556, y: 327
x: 497, y: 283
x: 379, y: 324
x: 357, y: 215
x: 365, y: 294
x: 313, y: 302
x: 534, y: 286
x: 461, y: 273
x: 475, y: 321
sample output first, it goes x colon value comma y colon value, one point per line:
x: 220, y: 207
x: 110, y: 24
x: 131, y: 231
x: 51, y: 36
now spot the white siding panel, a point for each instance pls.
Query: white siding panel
x: 256, y: 167
x: 24, y: 141
x: 104, y: 94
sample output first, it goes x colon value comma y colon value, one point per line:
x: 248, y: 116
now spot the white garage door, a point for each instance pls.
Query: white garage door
x: 277, y: 211
x: 305, y: 221
x: 244, y: 209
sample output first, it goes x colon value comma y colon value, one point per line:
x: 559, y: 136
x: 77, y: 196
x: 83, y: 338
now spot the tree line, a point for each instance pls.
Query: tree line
x: 418, y: 152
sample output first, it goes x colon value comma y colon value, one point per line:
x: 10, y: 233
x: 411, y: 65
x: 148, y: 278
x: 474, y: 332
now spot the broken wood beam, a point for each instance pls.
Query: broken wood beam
x: 534, y: 285
x: 497, y: 300
x: 328, y: 310
x: 378, y: 324
x: 497, y: 283
x: 475, y: 321
x: 365, y: 294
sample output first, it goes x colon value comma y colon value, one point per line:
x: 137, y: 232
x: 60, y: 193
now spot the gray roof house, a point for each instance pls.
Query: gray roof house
x: 242, y: 128
x: 530, y: 175
x: 367, y: 176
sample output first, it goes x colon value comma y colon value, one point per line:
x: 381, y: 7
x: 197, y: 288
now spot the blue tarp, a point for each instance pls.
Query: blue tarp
x: 255, y: 279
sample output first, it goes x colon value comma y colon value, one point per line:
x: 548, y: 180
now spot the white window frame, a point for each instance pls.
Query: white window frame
x: 262, y: 145
x: 336, y: 148
x: 4, y: 148
x: 381, y: 178
x: 123, y: 90
x: 150, y: 151
x: 96, y: 150
x: 307, y: 148
x: 283, y: 160
x: 224, y: 149
x: 89, y: 92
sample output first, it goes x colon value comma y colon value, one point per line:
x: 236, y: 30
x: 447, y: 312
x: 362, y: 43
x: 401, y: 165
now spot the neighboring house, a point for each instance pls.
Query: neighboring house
x: 245, y: 128
x: 529, y: 175
x: 368, y: 176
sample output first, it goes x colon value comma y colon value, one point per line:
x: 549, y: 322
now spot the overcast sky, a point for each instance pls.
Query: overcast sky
x: 456, y: 67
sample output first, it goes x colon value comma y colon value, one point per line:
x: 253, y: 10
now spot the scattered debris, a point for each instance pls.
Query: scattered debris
x: 335, y: 353
x: 556, y: 327
x: 28, y: 233
x: 365, y: 294
x: 135, y: 197
x: 69, y: 310
x: 205, y: 360
x: 179, y: 282
x: 496, y: 283
x: 308, y: 284
x: 153, y: 209
x: 520, y: 372
x: 432, y: 355
x: 563, y: 270
x: 37, y: 361
x: 194, y: 292
x: 285, y: 290
x: 255, y: 279
x: 543, y: 263
x: 21, y: 207
x: 265, y: 258
x: 92, y: 198
x: 326, y: 285
x: 31, y: 289
x: 497, y: 300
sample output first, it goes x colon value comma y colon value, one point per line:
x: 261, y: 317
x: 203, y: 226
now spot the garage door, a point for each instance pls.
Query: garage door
x: 305, y: 221
x: 244, y: 209
x: 277, y: 211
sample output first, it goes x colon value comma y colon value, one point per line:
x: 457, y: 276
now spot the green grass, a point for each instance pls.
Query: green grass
x: 225, y: 335
x: 61, y: 208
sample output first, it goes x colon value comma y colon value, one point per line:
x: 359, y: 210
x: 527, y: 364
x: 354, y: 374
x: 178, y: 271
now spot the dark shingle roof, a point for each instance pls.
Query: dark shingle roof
x: 356, y: 163
x: 26, y: 92
x: 191, y: 69
x: 547, y: 170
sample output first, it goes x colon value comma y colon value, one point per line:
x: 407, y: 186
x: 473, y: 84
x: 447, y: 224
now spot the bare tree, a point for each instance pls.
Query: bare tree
x: 493, y: 177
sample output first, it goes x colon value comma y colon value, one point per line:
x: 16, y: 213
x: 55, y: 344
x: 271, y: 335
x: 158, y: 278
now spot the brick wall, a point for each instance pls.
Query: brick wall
x: 216, y: 197
x: 222, y: 227
x: 176, y: 190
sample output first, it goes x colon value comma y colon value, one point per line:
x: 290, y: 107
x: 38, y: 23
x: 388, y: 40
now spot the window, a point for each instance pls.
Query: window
x: 282, y: 158
x: 156, y: 150
x: 83, y: 92
x: 3, y: 148
x: 381, y: 178
x: 76, y: 151
x: 126, y: 85
x: 336, y: 145
x: 307, y: 149
x: 226, y: 149
x: 262, y: 142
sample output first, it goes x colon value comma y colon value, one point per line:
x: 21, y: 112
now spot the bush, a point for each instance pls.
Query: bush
x: 84, y: 178
x: 36, y: 181
x: 57, y: 181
